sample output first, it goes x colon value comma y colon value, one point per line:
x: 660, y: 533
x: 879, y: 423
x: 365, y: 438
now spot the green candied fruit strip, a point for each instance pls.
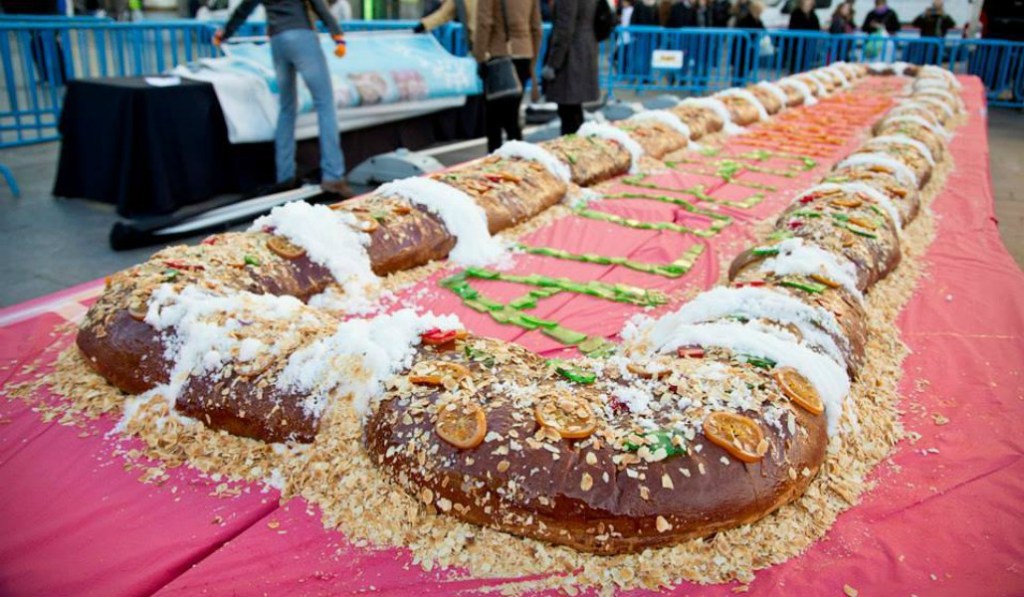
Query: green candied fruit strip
x: 462, y: 289
x: 523, y: 302
x: 504, y: 316
x: 670, y: 226
x: 482, y: 273
x: 593, y: 344
x: 661, y: 439
x: 765, y: 251
x: 806, y: 213
x: 671, y: 270
x: 553, y: 285
x: 696, y: 191
x: 544, y: 292
x: 476, y: 305
x: 756, y: 361
x: 860, y: 231
x: 811, y: 287
x: 606, y: 349
x: 564, y: 335
x: 779, y: 235
x: 537, y: 322
x: 519, y: 319
x: 480, y: 356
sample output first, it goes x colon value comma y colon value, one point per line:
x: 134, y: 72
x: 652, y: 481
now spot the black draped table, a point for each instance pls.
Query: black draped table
x: 153, y: 150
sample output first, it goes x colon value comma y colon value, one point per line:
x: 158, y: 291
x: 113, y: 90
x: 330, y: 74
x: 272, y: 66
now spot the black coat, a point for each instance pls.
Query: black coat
x: 573, y: 53
x: 682, y: 14
x: 801, y: 21
x: 888, y: 20
x: 840, y: 25
x: 749, y: 21
x: 644, y: 14
x: 933, y: 24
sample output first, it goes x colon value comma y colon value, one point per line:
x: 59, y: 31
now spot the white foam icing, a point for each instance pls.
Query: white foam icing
x: 803, y: 88
x: 331, y: 238
x: 802, y: 258
x: 535, y: 153
x: 358, y: 358
x: 718, y: 108
x: 776, y: 91
x: 919, y: 120
x: 607, y: 131
x: 665, y: 335
x: 871, y: 192
x: 667, y: 118
x: 901, y: 139
x: 818, y: 326
x: 762, y: 113
x: 463, y: 218
x: 900, y: 170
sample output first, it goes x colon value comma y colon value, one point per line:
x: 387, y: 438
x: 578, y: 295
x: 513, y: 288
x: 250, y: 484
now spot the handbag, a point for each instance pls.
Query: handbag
x: 501, y: 79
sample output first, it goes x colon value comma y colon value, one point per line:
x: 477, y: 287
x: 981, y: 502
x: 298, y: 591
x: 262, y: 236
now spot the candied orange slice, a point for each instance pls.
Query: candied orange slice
x: 823, y: 279
x: 797, y: 388
x: 849, y: 202
x: 863, y: 223
x: 568, y: 415
x: 367, y: 224
x: 740, y: 436
x: 433, y: 373
x: 463, y: 425
x: 282, y: 247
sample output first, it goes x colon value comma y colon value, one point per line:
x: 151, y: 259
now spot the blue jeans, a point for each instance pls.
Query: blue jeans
x: 299, y: 50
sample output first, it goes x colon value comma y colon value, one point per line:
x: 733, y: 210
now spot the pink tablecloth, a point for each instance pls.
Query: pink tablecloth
x: 945, y: 518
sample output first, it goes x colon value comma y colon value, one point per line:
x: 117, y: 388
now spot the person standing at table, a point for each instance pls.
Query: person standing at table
x: 463, y: 11
x: 803, y: 18
x: 842, y: 20
x: 934, y: 22
x: 882, y: 18
x: 570, y: 71
x: 295, y: 47
x: 506, y: 28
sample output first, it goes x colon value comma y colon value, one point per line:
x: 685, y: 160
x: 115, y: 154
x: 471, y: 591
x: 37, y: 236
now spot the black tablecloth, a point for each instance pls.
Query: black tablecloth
x: 154, y: 150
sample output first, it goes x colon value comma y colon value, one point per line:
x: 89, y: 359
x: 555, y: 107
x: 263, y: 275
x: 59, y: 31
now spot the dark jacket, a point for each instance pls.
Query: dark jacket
x: 643, y: 14
x: 282, y: 15
x: 801, y: 21
x: 840, y: 25
x: 888, y: 20
x: 573, y: 53
x: 682, y: 14
x: 933, y: 24
x: 749, y: 21
x: 720, y: 13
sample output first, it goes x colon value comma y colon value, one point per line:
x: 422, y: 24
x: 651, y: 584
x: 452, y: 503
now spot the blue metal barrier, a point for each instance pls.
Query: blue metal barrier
x: 710, y: 59
x: 716, y: 58
x: 999, y: 64
x: 39, y: 58
x: 38, y: 55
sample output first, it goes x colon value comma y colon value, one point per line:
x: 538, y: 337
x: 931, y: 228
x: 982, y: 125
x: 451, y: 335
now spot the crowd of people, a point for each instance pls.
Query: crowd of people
x: 746, y: 14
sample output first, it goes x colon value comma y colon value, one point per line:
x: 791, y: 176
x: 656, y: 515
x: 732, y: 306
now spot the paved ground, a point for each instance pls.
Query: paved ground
x: 51, y: 243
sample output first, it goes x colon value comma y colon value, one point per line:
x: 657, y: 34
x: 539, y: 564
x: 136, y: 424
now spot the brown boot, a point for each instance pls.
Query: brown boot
x: 338, y: 187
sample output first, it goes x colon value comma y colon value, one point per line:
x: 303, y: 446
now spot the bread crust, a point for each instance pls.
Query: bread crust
x: 701, y: 121
x: 528, y: 492
x: 591, y: 159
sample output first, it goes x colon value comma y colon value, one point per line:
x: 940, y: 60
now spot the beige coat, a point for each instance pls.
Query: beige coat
x: 446, y: 13
x: 523, y: 27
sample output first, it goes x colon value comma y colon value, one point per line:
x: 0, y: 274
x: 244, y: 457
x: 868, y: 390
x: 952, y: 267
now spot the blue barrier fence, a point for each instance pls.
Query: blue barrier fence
x: 39, y: 55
